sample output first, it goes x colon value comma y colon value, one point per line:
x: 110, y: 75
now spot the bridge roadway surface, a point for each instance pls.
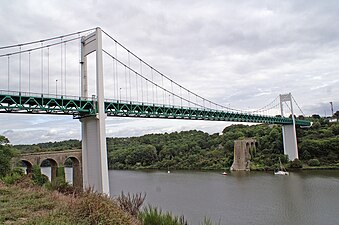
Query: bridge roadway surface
x: 21, y: 102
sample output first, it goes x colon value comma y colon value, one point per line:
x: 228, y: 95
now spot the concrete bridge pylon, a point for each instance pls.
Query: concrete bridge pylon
x: 94, y: 150
x: 289, y: 131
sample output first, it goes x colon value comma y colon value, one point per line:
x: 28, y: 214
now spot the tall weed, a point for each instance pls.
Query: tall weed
x: 154, y: 216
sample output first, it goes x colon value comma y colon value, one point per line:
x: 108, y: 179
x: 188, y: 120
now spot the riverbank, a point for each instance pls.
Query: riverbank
x: 26, y: 203
x: 253, y: 168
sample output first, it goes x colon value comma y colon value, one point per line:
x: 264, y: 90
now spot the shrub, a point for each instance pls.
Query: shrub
x: 155, y: 216
x: 313, y: 162
x: 37, y: 176
x: 96, y: 208
x: 13, y: 176
x: 296, y: 163
x: 131, y: 204
x: 62, y: 186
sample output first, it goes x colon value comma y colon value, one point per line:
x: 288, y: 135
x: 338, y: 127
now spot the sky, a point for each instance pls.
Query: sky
x: 240, y: 54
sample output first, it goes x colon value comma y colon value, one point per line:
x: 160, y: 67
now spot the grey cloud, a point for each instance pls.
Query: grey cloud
x: 8, y: 132
x: 242, y: 53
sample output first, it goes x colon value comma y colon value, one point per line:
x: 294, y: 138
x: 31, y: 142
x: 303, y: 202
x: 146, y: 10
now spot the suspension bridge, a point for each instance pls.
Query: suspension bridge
x: 59, y: 75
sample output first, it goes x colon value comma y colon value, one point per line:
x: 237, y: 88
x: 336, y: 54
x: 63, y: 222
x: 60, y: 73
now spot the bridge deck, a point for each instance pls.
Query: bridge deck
x: 16, y: 102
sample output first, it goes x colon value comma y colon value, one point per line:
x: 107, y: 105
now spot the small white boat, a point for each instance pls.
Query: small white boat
x: 281, y: 173
x: 282, y: 170
x: 168, y: 171
x: 224, y: 173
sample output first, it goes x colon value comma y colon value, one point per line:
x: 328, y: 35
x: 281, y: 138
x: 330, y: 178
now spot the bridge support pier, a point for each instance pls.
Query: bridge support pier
x: 242, y: 154
x: 290, y: 141
x: 77, y: 175
x: 57, y: 173
x: 54, y: 172
x: 94, y: 155
x: 289, y: 131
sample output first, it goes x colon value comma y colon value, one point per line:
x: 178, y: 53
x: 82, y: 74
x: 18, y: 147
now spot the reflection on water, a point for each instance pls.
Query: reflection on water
x: 307, y: 197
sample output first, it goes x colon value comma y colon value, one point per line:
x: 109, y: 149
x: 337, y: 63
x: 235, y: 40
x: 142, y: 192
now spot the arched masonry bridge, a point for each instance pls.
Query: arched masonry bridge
x: 57, y: 161
x: 53, y: 76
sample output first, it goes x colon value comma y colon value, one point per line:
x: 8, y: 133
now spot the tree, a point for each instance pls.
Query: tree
x: 6, y: 154
x: 336, y: 115
x: 313, y: 162
x: 296, y: 163
x: 335, y: 129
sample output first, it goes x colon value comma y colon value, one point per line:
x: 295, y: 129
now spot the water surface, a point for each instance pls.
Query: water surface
x: 306, y: 197
x: 256, y: 198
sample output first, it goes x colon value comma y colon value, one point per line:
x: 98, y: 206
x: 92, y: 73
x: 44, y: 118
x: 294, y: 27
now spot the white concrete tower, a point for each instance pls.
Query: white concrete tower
x: 289, y: 131
x: 94, y: 150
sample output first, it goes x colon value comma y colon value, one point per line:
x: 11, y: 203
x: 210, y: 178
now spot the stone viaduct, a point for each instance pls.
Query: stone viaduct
x: 57, y: 160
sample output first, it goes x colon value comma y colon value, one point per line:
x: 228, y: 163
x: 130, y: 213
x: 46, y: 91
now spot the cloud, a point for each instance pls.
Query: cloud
x: 241, y: 54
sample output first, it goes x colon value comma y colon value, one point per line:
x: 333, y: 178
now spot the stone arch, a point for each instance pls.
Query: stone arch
x: 77, y: 174
x: 242, y: 154
x: 54, y: 168
x: 28, y: 164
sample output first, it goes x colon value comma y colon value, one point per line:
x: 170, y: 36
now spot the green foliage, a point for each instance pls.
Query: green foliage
x: 37, y: 176
x: 50, y: 146
x: 196, y: 150
x: 15, y: 175
x: 61, y: 186
x: 155, y: 216
x: 296, y: 164
x: 6, y: 154
x: 335, y: 128
x: 313, y: 162
x: 178, y: 150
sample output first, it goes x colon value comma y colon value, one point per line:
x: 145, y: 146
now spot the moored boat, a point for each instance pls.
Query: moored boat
x: 282, y: 170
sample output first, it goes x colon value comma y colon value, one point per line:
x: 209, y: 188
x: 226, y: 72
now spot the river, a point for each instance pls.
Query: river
x: 256, y: 198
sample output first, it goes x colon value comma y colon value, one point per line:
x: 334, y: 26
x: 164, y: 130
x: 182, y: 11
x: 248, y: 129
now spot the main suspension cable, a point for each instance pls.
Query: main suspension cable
x: 47, y: 39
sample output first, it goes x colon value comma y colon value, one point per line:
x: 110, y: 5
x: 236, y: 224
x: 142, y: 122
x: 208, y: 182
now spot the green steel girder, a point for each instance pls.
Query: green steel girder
x: 40, y: 104
x: 162, y: 111
x: 80, y: 107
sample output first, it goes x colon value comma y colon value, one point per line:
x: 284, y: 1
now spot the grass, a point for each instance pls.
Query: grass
x: 18, y: 205
x: 30, y: 204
